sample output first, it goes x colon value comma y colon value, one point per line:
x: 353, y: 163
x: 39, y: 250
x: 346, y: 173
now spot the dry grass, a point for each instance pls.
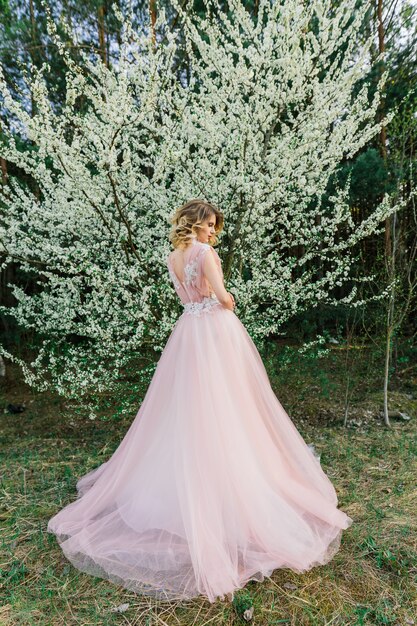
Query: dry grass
x: 371, y: 580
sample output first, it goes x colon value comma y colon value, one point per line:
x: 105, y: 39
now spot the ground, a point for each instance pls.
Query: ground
x: 371, y: 580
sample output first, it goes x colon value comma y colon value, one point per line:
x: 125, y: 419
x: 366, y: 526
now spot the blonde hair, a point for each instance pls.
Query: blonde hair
x: 187, y: 219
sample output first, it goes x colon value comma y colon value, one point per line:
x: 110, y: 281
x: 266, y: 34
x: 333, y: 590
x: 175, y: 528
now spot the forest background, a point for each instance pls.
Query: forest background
x: 381, y: 330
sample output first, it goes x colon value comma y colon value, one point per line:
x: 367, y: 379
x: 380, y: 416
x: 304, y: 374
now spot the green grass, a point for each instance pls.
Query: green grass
x: 370, y: 581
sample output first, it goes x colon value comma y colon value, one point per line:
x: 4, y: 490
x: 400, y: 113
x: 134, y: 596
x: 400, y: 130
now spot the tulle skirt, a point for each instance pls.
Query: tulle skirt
x: 212, y: 485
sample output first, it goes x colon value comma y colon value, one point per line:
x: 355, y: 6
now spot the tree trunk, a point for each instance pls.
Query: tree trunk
x: 383, y: 133
x: 152, y: 13
x: 389, y: 253
x: 102, y: 34
x: 32, y: 50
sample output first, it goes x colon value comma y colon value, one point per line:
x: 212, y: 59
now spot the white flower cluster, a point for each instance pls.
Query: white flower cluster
x: 257, y: 123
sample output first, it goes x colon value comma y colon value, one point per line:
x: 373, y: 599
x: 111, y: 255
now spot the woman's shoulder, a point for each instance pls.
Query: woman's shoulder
x: 196, y: 246
x: 204, y: 246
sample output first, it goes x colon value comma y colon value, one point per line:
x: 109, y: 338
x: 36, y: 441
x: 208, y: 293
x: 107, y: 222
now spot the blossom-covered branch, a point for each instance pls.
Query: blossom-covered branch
x: 271, y: 108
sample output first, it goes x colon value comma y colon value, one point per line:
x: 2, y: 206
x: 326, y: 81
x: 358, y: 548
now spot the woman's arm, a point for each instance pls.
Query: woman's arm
x: 213, y: 275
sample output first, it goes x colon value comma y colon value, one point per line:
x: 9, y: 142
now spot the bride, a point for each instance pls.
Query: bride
x: 212, y: 485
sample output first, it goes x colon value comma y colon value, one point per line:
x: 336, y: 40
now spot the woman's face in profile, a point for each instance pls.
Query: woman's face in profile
x: 207, y: 229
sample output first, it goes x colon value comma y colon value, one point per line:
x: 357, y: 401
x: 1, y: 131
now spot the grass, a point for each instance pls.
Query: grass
x: 371, y: 580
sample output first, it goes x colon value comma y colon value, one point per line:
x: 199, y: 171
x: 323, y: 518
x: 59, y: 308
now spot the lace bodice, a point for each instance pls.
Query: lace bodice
x: 195, y: 291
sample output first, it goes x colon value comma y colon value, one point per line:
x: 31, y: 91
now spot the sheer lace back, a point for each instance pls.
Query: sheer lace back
x: 195, y: 291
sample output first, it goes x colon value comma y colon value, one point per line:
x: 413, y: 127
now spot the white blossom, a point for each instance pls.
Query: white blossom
x: 268, y: 114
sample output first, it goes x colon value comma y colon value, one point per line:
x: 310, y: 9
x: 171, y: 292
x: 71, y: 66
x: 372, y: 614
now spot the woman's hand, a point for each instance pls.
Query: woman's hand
x: 232, y: 301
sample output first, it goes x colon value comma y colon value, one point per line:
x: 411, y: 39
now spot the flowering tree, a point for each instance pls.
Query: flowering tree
x: 256, y: 120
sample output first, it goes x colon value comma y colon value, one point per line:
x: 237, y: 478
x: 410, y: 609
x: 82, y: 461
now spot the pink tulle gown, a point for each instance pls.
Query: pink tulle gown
x: 212, y: 485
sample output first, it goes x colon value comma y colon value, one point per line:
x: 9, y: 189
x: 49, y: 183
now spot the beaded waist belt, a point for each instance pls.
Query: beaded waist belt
x: 206, y: 305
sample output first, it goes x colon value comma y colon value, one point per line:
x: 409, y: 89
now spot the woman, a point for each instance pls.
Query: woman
x: 212, y: 485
